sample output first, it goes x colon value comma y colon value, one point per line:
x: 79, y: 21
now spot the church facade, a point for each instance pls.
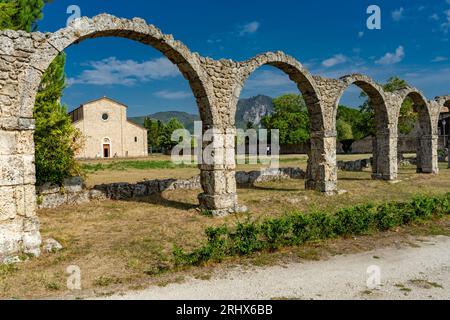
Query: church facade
x: 107, y: 132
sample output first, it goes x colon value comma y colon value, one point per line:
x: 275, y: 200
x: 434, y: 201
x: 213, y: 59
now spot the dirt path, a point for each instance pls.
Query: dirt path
x: 421, y: 271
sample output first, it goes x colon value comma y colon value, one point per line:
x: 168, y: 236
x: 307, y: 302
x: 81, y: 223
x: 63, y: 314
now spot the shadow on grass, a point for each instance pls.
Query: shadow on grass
x: 158, y: 199
x: 356, y: 179
x: 261, y: 188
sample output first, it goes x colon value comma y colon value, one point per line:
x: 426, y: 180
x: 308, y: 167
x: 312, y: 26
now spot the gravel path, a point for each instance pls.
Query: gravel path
x: 416, y: 272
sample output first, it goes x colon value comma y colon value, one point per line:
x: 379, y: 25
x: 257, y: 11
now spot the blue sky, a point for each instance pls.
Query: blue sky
x: 329, y: 37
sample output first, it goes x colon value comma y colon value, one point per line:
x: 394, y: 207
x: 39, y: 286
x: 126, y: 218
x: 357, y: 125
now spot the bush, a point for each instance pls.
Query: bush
x: 297, y: 228
x: 355, y: 220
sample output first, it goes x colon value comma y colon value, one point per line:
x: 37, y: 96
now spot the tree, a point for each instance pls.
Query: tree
x: 154, y: 130
x: 290, y: 118
x: 408, y: 116
x: 354, y: 118
x: 8, y: 10
x: 21, y: 14
x: 345, y: 135
x: 165, y: 138
x: 56, y: 140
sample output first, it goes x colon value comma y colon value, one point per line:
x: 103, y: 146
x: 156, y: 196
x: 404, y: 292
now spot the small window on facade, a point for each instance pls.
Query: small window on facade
x: 135, y: 139
x: 105, y: 117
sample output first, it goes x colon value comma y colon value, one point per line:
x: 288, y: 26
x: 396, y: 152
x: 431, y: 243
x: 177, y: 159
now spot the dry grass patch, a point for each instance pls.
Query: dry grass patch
x: 123, y: 245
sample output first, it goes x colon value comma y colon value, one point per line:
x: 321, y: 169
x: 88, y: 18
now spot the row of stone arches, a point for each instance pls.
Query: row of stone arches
x: 216, y: 85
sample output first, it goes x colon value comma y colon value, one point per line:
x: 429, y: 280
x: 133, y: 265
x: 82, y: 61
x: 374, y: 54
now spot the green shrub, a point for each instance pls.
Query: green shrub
x: 320, y: 226
x: 297, y: 228
x: 355, y: 220
x: 299, y: 225
x: 244, y: 238
x: 276, y: 232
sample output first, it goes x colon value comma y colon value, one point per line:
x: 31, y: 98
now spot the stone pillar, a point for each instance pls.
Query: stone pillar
x: 385, y: 157
x: 218, y: 176
x: 427, y: 157
x: 322, y: 169
x: 19, y: 225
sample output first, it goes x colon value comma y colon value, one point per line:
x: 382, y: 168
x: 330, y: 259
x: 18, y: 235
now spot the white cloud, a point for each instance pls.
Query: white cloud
x: 446, y: 25
x: 267, y: 79
x: 397, y: 15
x: 434, y: 17
x: 448, y: 1
x: 249, y: 28
x: 439, y: 58
x: 111, y: 71
x: 360, y: 34
x: 392, y: 58
x: 335, y: 60
x: 173, y: 95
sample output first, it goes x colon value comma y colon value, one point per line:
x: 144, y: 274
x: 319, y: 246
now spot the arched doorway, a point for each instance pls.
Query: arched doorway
x: 106, y: 148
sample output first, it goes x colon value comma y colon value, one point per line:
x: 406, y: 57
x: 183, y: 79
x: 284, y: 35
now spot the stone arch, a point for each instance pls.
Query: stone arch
x: 384, y: 148
x: 24, y: 57
x: 321, y: 172
x: 421, y: 106
x: 105, y: 25
x: 427, y: 137
x: 375, y: 94
x: 296, y: 72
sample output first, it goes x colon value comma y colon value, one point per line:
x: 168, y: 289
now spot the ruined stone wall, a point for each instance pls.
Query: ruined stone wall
x: 216, y: 85
x: 74, y: 192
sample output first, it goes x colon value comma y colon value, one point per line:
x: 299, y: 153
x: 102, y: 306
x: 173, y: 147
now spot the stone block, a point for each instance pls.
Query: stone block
x: 242, y: 178
x: 218, y: 202
x: 11, y: 233
x: 51, y: 201
x: 139, y: 190
x: 152, y: 186
x: 25, y: 197
x: 8, y: 209
x: 48, y: 188
x: 95, y: 194
x: 8, y: 142
x: 78, y: 198
x: 31, y: 239
x: 214, y: 182
x: 11, y: 170
x: 73, y: 185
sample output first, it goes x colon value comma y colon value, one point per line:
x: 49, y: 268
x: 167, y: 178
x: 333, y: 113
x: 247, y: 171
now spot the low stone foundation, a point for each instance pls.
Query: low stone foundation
x: 73, y: 191
x: 366, y: 164
x: 357, y: 165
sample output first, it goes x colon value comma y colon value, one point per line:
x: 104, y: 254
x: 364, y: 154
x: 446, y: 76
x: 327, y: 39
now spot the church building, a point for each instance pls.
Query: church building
x: 107, y: 132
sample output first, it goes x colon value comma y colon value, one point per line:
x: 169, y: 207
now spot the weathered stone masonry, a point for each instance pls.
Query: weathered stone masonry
x: 216, y: 86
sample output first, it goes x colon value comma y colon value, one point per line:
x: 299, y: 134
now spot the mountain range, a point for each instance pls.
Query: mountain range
x: 248, y: 110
